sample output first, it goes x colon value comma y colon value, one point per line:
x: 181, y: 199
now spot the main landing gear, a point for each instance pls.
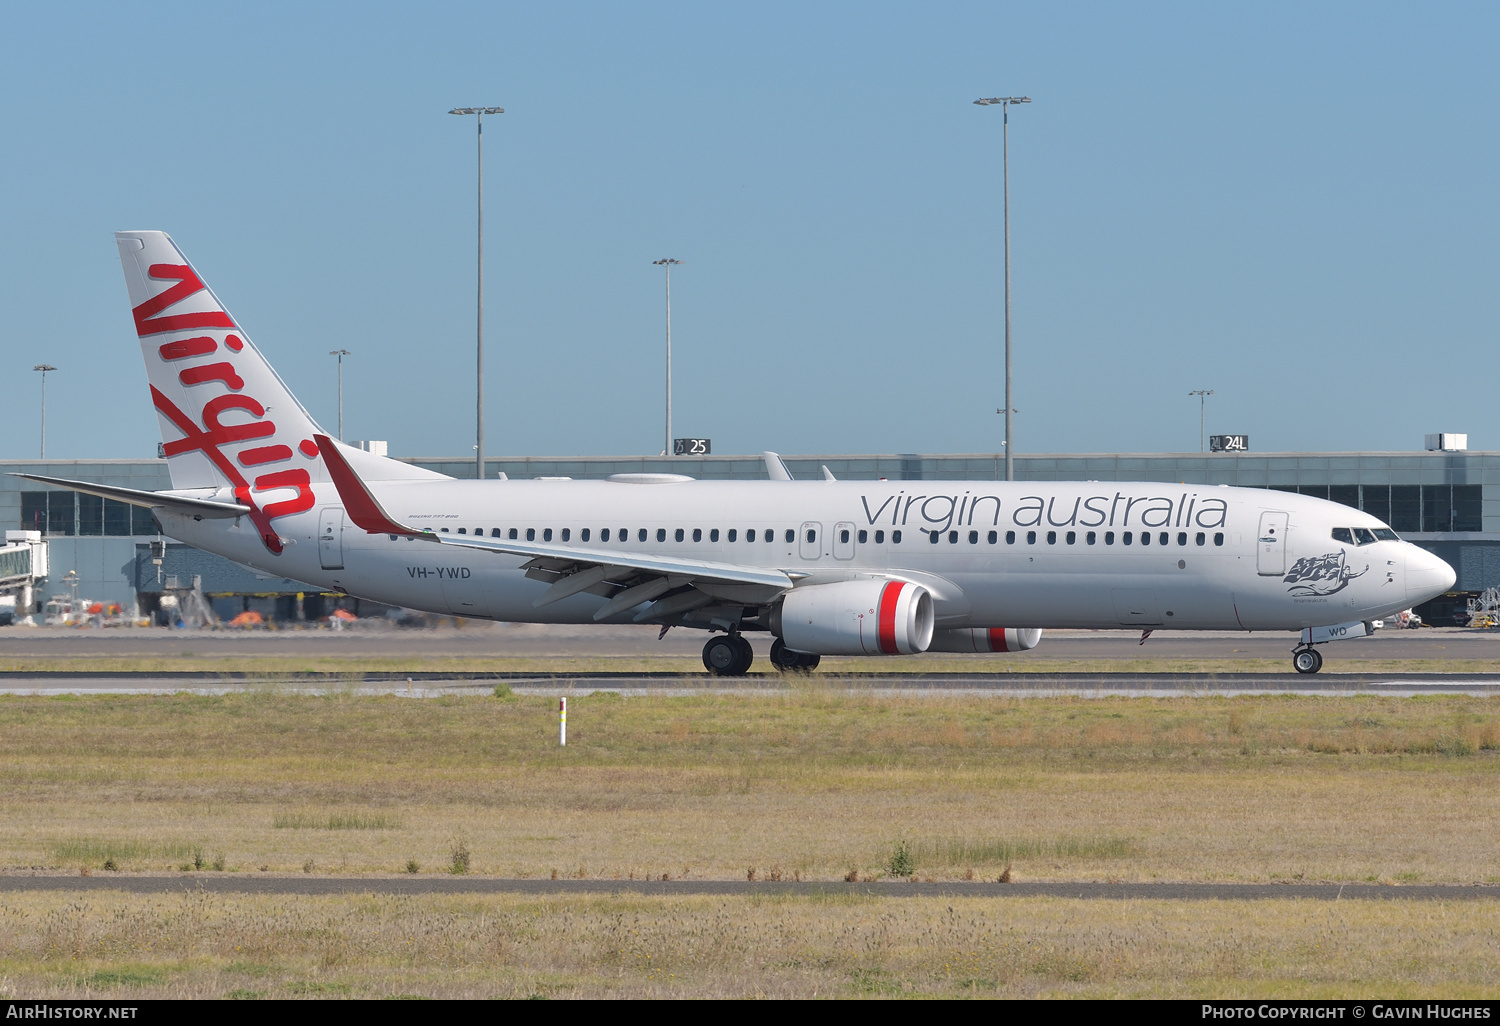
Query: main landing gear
x: 727, y: 655
x: 1306, y: 659
x: 785, y: 660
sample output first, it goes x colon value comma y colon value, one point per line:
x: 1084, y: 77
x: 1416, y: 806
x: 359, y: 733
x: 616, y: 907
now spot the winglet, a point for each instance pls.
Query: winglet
x: 775, y: 469
x: 363, y: 508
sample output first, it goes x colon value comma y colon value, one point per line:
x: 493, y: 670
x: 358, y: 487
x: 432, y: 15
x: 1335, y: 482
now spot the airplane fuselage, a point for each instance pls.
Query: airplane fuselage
x: 1053, y: 555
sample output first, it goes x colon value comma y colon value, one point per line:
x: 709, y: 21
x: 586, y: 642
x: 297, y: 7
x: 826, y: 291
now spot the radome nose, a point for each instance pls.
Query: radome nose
x: 1427, y: 576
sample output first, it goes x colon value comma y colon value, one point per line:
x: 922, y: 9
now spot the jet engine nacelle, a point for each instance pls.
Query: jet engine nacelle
x: 986, y: 639
x: 856, y: 618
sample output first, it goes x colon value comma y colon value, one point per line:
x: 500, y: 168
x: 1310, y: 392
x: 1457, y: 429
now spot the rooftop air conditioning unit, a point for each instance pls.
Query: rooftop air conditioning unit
x: 1447, y: 442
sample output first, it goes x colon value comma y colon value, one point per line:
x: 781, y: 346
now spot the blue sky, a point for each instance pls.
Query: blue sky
x: 1292, y: 204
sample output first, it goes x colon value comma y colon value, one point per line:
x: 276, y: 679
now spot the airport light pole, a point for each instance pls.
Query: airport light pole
x: 44, y: 368
x: 1202, y: 394
x: 668, y: 263
x: 340, y: 353
x: 1005, y: 103
x: 479, y: 113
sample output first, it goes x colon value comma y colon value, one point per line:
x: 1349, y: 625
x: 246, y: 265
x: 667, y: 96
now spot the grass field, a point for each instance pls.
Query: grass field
x: 810, y: 783
x: 199, y: 945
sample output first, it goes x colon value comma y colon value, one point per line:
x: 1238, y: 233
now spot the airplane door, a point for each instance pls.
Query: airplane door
x: 812, y: 541
x: 1270, y: 544
x: 331, y: 537
x: 843, y: 541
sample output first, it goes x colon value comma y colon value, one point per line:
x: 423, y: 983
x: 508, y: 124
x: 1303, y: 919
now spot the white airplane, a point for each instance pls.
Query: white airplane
x: 826, y: 567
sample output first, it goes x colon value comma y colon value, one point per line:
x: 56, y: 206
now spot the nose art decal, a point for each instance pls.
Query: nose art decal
x: 1321, y: 575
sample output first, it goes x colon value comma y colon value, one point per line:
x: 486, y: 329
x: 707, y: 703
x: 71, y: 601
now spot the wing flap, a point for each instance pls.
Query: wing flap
x: 367, y: 513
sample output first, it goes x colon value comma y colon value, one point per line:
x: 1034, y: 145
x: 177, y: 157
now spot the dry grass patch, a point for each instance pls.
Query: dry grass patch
x: 107, y: 945
x: 815, y: 781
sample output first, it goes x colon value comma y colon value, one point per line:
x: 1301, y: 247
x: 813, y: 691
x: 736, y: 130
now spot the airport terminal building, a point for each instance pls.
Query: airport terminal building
x: 1445, y: 501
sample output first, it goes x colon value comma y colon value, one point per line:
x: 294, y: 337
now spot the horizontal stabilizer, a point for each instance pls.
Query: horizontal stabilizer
x: 155, y: 500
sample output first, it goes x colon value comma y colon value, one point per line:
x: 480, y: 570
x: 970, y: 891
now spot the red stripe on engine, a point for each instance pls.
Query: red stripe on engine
x: 889, y: 596
x: 997, y: 640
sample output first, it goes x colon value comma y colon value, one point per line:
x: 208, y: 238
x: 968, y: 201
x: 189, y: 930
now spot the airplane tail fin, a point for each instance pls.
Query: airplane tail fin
x: 226, y: 417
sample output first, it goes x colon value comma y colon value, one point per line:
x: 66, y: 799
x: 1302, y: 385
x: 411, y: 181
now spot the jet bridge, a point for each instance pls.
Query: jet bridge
x: 23, y: 562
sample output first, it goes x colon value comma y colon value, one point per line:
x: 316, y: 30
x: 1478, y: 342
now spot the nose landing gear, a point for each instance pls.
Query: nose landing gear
x: 727, y: 655
x: 1306, y: 659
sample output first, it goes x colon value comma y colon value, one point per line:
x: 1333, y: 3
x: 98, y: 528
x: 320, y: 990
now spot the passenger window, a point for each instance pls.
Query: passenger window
x: 843, y: 536
x: 462, y: 530
x: 791, y: 536
x: 1090, y: 537
x: 1072, y: 537
x: 1164, y: 537
x: 749, y: 535
x: 1364, y: 536
x: 546, y: 534
x: 973, y: 537
x: 567, y: 533
x: 604, y: 534
x: 1030, y: 537
x: 531, y: 534
x: 678, y: 534
x: 1181, y: 537
x: 1218, y: 537
x: 661, y: 534
x: 1201, y: 538
x: 733, y: 534
x: 1343, y: 534
x: 1010, y: 537
x: 1109, y: 537
x: 895, y: 537
x: 864, y: 536
x: 512, y: 534
x: 933, y: 537
x: 1145, y: 537
x: 1125, y: 538
x: 641, y: 534
x: 494, y: 532
x: 1051, y: 537
x: 583, y: 535
x: 812, y: 536
x: 879, y: 537
x: 444, y: 530
x: 697, y: 534
x: 713, y: 535
x: 994, y: 536
x: 952, y: 537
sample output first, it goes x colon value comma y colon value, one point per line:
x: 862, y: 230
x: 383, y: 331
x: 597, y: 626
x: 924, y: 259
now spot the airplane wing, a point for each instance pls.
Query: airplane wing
x: 201, y: 508
x: 628, y: 579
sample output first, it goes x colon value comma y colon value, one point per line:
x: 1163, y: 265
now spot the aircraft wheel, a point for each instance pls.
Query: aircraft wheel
x: 1307, y: 660
x: 723, y: 656
x: 747, y: 655
x: 787, y: 661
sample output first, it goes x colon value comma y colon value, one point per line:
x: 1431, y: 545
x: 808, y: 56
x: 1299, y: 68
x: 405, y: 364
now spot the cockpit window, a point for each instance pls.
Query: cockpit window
x: 1386, y: 534
x: 1343, y: 534
x: 1364, y: 536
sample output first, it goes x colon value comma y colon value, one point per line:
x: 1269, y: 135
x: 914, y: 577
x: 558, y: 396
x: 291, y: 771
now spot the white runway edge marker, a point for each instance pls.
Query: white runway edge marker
x: 562, y: 721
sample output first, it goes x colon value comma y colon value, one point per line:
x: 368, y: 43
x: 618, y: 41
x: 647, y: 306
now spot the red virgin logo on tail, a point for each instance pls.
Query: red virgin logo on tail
x: 148, y: 323
x: 209, y: 437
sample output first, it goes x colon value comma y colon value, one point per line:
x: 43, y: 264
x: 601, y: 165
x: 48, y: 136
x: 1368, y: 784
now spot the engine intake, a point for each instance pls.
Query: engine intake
x: 856, y: 618
x: 986, y: 639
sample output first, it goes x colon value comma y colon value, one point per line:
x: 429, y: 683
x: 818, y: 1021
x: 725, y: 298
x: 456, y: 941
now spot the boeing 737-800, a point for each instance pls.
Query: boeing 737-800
x: 826, y: 567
